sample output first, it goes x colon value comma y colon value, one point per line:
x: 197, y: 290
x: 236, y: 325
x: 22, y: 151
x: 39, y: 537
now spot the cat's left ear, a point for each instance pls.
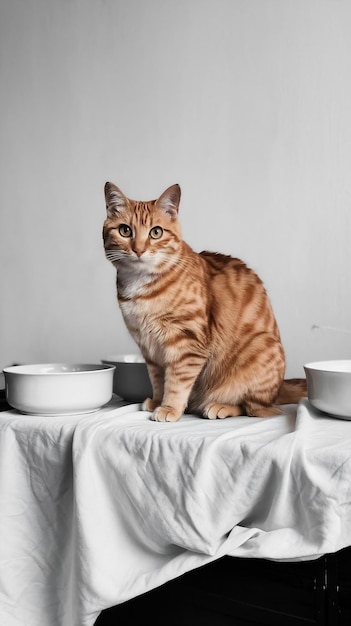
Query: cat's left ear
x: 169, y: 201
x: 115, y: 199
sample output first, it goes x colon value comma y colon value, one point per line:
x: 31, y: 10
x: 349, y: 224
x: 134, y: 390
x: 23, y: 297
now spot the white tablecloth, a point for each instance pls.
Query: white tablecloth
x: 99, y: 508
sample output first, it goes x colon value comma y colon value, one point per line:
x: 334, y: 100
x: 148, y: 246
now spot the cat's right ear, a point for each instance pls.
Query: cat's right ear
x: 115, y: 199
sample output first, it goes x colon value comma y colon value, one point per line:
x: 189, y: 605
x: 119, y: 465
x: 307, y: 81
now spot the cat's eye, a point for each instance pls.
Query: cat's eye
x: 156, y: 232
x: 125, y: 230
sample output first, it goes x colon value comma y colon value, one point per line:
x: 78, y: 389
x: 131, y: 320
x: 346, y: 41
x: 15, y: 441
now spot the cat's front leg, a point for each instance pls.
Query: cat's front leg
x: 178, y: 383
x: 156, y: 375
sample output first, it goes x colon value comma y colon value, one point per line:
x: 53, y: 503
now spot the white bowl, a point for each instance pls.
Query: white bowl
x: 58, y: 388
x: 131, y: 379
x: 329, y: 387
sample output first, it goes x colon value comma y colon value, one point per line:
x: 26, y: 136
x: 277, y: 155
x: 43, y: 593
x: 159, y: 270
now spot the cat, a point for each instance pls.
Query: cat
x: 203, y: 321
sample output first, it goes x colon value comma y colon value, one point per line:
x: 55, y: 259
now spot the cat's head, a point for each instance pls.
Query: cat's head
x: 145, y: 234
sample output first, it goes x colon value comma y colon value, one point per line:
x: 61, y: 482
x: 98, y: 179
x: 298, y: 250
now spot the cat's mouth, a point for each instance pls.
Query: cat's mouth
x: 145, y: 261
x: 127, y: 258
x: 139, y: 258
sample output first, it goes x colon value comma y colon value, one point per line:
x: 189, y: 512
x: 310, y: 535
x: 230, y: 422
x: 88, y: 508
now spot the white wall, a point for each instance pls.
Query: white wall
x: 245, y: 103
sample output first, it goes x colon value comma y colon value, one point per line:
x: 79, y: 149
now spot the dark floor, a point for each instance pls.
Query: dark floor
x: 247, y: 592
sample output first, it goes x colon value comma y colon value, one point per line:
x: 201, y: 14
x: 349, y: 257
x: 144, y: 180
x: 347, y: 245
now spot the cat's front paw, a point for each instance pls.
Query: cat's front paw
x: 149, y: 405
x: 165, y: 414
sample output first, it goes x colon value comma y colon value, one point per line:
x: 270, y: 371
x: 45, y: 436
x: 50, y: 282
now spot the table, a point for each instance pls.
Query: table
x: 97, y: 509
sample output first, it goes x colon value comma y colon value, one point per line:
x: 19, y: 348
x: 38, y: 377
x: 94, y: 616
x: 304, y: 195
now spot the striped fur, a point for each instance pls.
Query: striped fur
x: 203, y: 322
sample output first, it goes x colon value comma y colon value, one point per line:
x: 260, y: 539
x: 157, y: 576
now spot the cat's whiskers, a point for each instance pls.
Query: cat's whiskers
x: 115, y: 255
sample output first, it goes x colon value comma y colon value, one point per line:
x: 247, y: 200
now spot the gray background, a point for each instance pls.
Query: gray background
x: 245, y: 103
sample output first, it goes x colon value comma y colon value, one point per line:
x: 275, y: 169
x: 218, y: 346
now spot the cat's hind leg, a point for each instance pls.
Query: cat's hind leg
x: 249, y: 387
x: 254, y: 409
x: 215, y: 410
x: 149, y: 405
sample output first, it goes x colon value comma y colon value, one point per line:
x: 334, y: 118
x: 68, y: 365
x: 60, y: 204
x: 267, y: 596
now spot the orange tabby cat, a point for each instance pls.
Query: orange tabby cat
x: 203, y: 322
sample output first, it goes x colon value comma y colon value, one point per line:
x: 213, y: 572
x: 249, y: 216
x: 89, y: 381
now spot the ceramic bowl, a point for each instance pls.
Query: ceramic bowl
x: 58, y: 388
x: 131, y: 379
x: 329, y: 387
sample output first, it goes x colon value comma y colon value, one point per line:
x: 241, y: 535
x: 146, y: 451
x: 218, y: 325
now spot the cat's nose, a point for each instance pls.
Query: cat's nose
x: 139, y: 250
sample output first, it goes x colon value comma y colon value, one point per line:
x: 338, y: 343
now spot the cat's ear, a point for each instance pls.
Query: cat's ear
x: 169, y: 201
x: 115, y: 199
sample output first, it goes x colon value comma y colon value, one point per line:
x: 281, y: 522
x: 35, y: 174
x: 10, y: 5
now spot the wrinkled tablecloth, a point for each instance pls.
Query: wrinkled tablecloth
x: 99, y: 508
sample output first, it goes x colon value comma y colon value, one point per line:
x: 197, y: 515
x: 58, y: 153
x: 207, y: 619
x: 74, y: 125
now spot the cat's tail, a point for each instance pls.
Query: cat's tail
x: 291, y: 391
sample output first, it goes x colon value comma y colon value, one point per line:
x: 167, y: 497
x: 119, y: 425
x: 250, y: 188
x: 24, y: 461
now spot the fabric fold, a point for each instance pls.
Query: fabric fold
x: 100, y: 508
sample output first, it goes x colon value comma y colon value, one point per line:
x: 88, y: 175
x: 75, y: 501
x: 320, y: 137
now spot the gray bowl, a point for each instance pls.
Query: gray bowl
x: 329, y: 387
x: 131, y: 379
